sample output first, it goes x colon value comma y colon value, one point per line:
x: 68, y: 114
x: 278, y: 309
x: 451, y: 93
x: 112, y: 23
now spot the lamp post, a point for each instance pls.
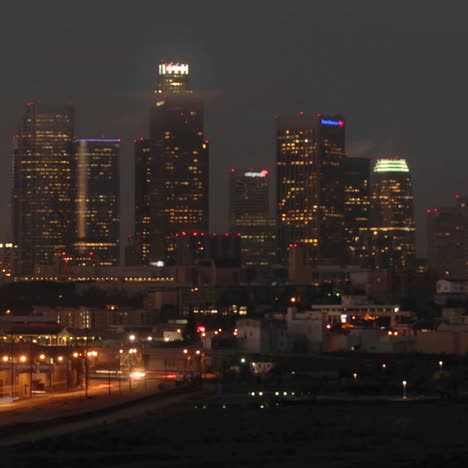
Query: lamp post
x: 404, y: 383
x: 30, y: 367
x: 119, y: 375
x: 12, y: 370
x: 86, y: 363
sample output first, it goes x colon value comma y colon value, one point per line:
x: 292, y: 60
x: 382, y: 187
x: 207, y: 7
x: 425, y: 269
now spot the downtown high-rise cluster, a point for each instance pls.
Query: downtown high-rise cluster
x: 337, y: 209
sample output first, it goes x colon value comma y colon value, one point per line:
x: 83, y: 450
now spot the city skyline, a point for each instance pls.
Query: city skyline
x: 377, y: 84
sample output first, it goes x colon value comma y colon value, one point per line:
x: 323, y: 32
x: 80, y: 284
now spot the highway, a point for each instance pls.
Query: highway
x: 49, y: 416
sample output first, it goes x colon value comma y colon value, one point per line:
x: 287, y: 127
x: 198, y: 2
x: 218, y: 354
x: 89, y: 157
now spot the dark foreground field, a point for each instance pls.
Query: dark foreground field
x: 242, y: 434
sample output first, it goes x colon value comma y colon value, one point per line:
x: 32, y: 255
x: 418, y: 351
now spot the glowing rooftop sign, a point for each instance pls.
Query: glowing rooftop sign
x: 391, y: 165
x: 262, y: 173
x: 333, y: 123
x: 173, y: 69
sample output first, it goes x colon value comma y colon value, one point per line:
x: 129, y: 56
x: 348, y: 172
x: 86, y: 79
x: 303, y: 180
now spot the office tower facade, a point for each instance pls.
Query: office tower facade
x: 447, y: 239
x: 181, y: 169
x: 192, y: 248
x: 145, y: 152
x: 310, y: 189
x: 392, y: 226
x: 330, y: 149
x: 8, y: 259
x: 356, y: 210
x: 42, y: 205
x: 249, y: 216
x: 97, y: 201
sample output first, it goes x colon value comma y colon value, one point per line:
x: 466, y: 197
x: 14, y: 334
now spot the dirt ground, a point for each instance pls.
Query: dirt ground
x: 250, y: 432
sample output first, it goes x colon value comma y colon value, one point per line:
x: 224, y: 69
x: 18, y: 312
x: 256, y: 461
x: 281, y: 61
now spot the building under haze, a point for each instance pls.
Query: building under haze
x: 179, y: 201
x: 310, y: 186
x: 249, y: 216
x: 97, y: 201
x: 356, y: 210
x: 144, y: 193
x: 447, y: 239
x: 42, y: 205
x: 392, y: 225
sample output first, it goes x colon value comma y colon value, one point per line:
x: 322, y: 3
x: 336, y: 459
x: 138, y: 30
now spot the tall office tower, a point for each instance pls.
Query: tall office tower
x: 194, y: 248
x: 392, y: 226
x: 144, y: 187
x: 42, y: 205
x: 97, y: 200
x: 181, y: 169
x: 249, y: 216
x: 447, y: 239
x: 310, y: 188
x: 356, y: 210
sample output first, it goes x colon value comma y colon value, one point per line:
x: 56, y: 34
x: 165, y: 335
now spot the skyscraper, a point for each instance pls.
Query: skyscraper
x: 356, y: 209
x: 181, y: 169
x: 447, y: 239
x: 330, y: 148
x: 249, y: 216
x: 97, y: 200
x: 248, y: 196
x: 144, y: 194
x: 392, y: 226
x: 42, y: 207
x: 310, y: 187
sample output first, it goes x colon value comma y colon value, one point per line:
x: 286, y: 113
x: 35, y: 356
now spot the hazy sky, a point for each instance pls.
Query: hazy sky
x: 397, y: 70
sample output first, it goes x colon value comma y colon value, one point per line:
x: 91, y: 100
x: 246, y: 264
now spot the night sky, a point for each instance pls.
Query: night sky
x: 397, y: 70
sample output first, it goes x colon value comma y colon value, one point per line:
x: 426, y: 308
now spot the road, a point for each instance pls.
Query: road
x: 137, y: 408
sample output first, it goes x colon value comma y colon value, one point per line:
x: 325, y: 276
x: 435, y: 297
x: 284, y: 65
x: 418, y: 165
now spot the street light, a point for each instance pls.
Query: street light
x: 441, y: 364
x: 355, y: 376
x: 404, y: 383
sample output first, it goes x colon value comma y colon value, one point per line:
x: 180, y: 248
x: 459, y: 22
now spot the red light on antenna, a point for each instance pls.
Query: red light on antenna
x: 436, y: 210
x: 428, y: 210
x: 457, y: 195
